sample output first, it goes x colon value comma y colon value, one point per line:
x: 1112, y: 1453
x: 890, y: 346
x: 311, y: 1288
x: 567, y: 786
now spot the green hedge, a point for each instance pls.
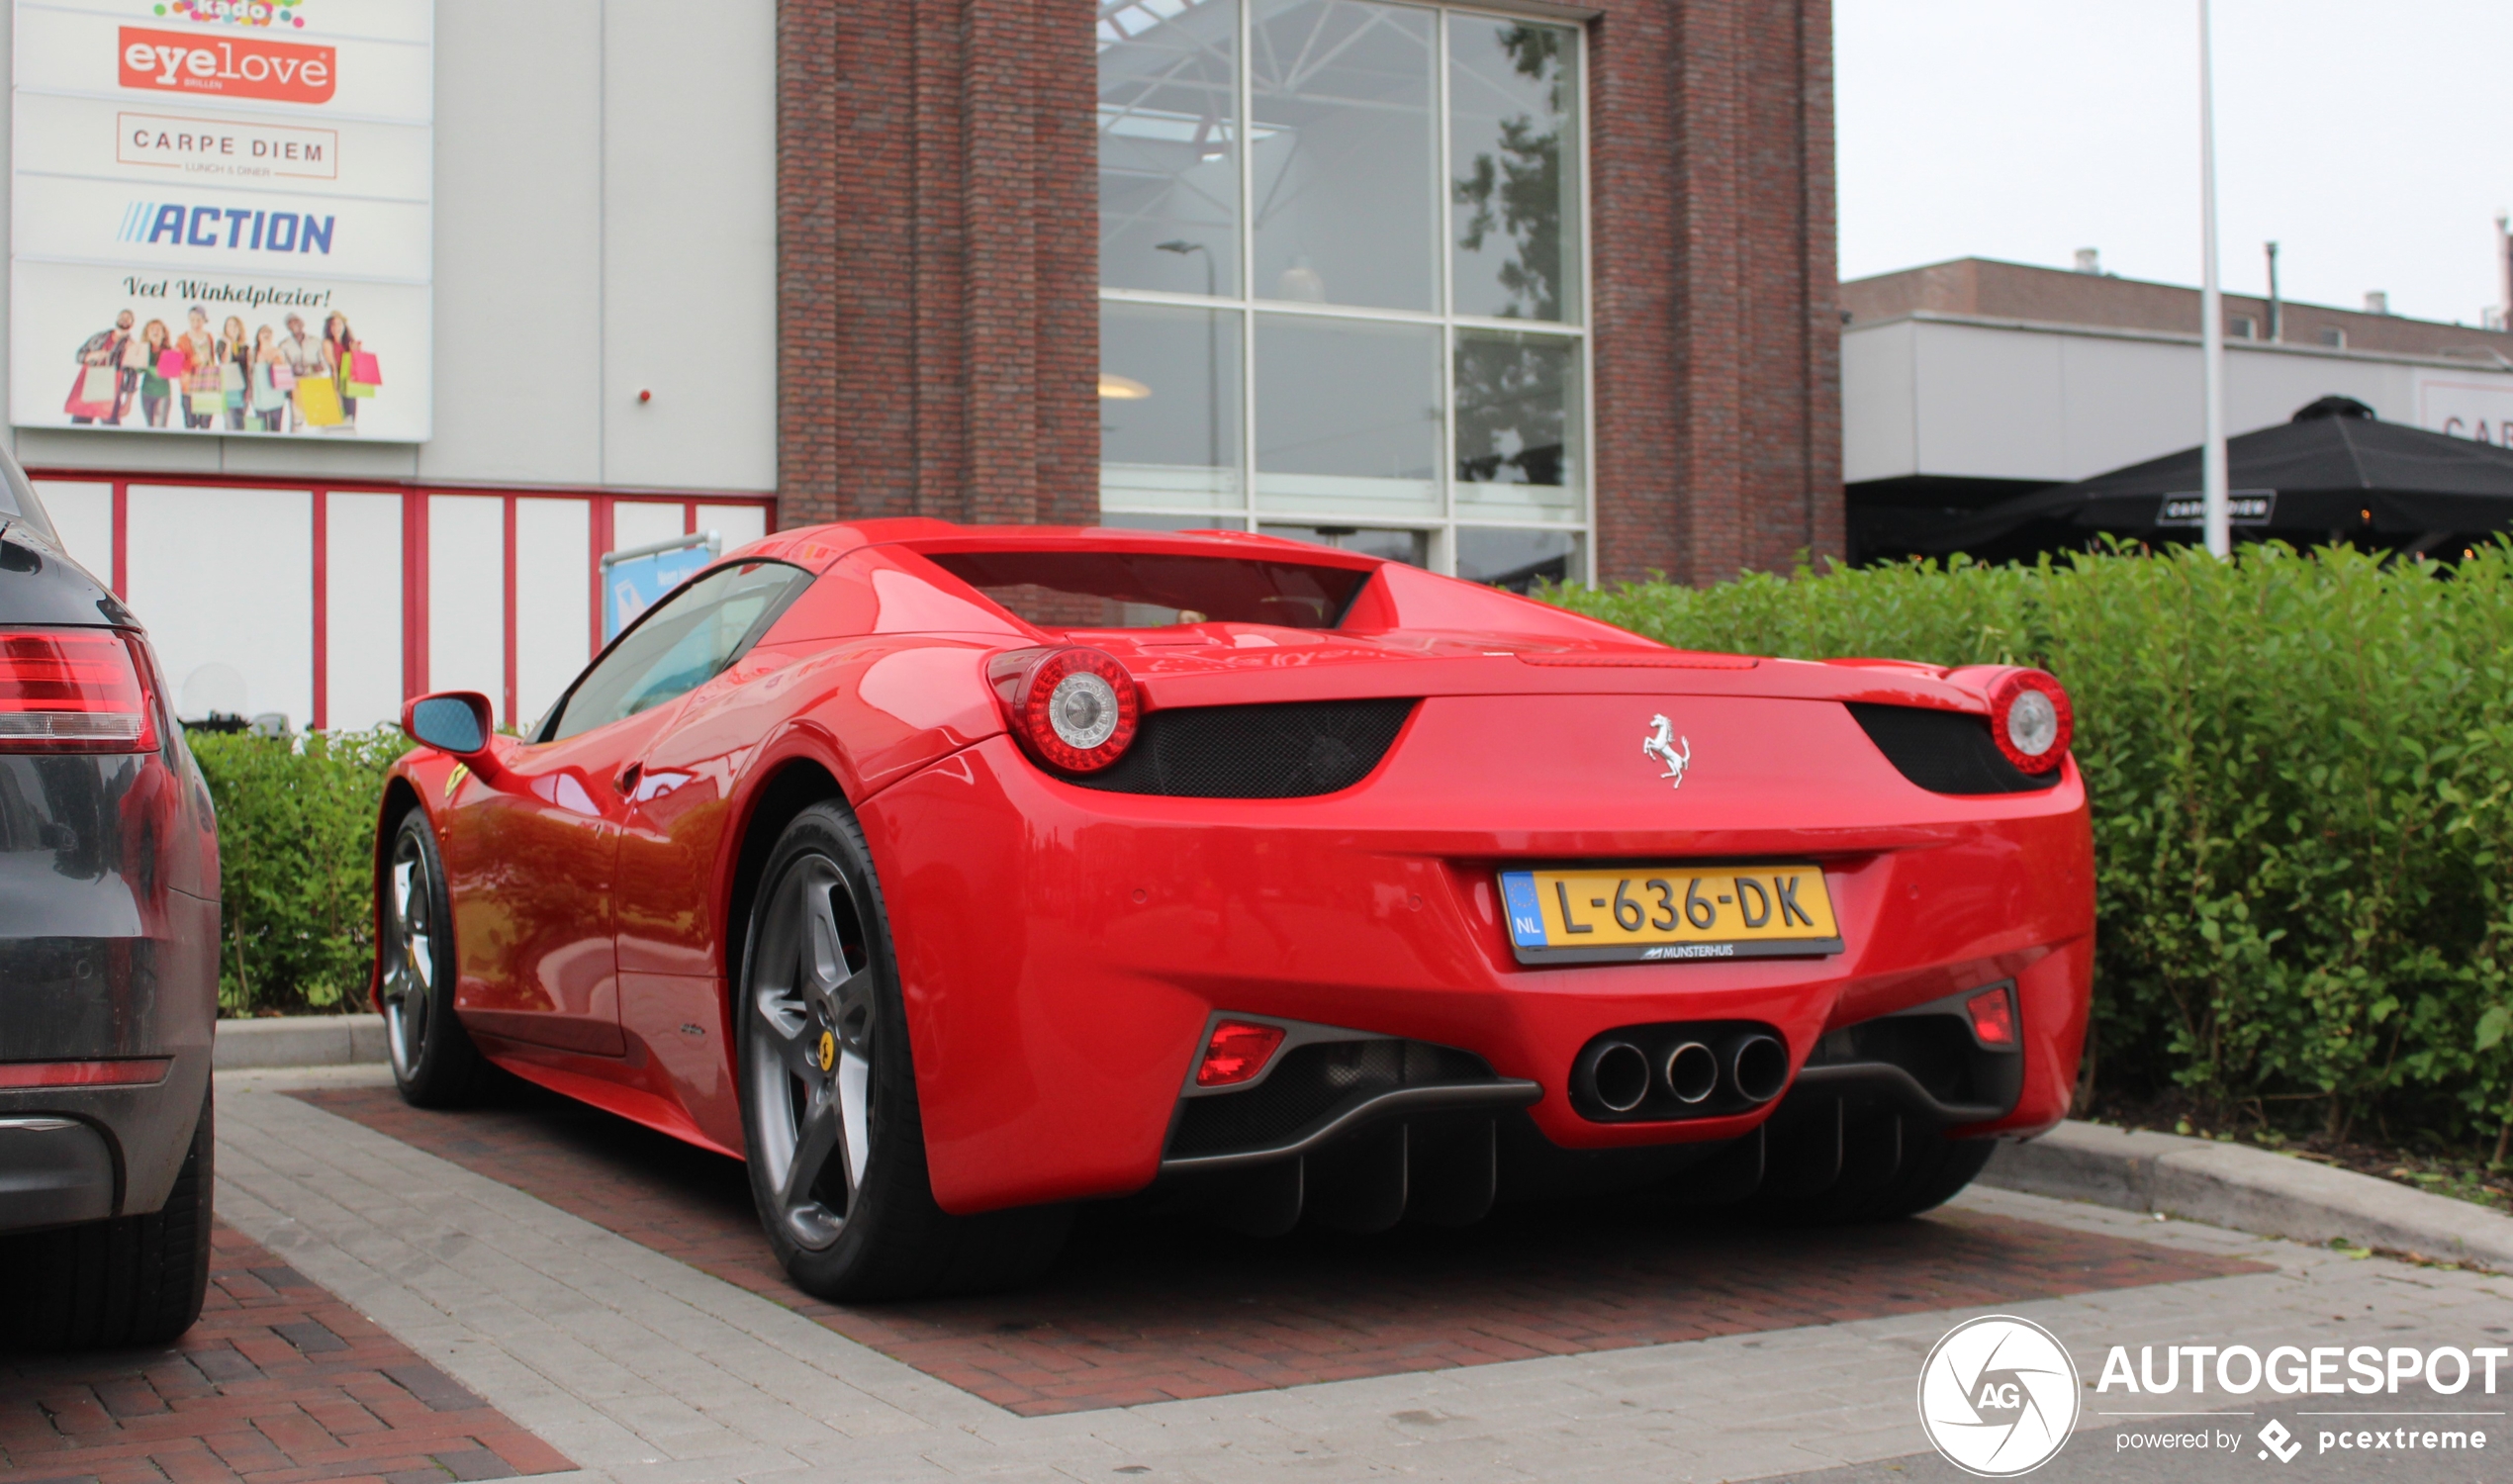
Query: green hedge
x: 2301, y: 770
x: 295, y: 828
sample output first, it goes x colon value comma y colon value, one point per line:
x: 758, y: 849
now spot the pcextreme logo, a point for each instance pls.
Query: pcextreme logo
x: 243, y: 66
x: 1998, y: 1396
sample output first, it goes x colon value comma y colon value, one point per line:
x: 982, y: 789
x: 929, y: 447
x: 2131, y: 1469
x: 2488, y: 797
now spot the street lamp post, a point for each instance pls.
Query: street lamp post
x: 2212, y: 473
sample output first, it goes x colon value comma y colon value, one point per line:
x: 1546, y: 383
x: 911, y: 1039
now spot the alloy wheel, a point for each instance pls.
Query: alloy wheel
x: 410, y: 981
x: 810, y: 1030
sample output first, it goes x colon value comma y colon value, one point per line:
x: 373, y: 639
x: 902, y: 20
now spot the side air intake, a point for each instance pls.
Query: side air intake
x: 1283, y: 750
x: 1945, y: 752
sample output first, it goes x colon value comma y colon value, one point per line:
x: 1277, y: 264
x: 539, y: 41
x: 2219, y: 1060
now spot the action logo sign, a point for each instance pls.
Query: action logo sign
x: 1998, y: 1396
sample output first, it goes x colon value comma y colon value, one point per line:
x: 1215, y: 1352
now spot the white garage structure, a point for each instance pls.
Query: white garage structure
x: 1968, y: 397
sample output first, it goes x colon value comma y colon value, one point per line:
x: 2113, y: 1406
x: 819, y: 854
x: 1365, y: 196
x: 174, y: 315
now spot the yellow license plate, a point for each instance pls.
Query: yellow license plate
x: 1644, y: 913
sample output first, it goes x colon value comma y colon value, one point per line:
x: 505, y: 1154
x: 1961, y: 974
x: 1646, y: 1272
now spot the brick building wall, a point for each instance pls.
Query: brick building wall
x: 937, y: 211
x: 937, y: 223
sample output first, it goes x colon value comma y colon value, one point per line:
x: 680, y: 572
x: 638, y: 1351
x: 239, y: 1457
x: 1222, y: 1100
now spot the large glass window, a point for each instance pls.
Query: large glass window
x: 1358, y: 316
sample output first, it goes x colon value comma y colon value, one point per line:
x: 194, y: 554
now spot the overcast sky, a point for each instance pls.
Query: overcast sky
x: 2368, y: 137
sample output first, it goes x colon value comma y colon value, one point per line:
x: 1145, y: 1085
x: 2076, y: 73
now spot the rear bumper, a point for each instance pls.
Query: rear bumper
x: 1063, y: 950
x: 104, y: 1066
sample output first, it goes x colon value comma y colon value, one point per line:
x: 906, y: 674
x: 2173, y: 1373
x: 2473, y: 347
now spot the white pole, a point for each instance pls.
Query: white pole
x: 2504, y: 269
x: 2212, y: 481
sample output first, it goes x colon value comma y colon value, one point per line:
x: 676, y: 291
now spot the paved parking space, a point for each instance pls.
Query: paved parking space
x: 643, y: 1365
x: 280, y: 1380
x: 1147, y: 1310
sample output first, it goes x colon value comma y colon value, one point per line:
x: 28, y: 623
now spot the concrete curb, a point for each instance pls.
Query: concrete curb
x: 2250, y: 1190
x: 298, y: 1041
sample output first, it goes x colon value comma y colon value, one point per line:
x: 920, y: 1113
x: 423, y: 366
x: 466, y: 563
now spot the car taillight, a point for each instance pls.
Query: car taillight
x: 2030, y: 719
x: 1074, y: 708
x: 1237, y: 1051
x: 1993, y: 1017
x: 72, y: 690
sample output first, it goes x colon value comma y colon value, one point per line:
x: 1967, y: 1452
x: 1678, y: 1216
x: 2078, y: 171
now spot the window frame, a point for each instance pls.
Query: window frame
x: 1247, y: 305
x: 542, y: 729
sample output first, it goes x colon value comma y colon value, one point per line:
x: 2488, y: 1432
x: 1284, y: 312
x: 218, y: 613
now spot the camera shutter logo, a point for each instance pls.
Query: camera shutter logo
x: 1998, y: 1396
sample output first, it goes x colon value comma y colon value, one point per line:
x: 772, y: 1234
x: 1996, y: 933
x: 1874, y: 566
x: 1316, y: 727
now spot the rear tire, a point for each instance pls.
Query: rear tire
x: 434, y: 1062
x: 835, y: 1140
x: 118, y: 1283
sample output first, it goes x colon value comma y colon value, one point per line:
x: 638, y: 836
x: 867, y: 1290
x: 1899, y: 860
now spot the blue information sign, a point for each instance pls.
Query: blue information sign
x: 636, y: 579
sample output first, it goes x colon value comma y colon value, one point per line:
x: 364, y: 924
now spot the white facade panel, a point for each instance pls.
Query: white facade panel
x: 1879, y: 426
x: 2120, y: 402
x: 1951, y: 398
x: 224, y: 579
x: 553, y: 600
x: 1987, y: 402
x: 362, y: 609
x: 519, y: 242
x: 689, y: 200
x: 641, y: 522
x: 738, y: 525
x: 466, y: 595
x: 82, y: 511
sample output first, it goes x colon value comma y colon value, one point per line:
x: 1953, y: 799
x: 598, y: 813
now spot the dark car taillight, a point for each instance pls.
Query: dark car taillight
x: 1074, y: 708
x: 73, y: 689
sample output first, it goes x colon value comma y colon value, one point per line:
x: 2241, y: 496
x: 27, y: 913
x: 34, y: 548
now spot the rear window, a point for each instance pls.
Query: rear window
x: 1153, y: 590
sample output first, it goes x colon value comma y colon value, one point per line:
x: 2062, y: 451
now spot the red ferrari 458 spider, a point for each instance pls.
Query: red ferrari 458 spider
x: 951, y: 876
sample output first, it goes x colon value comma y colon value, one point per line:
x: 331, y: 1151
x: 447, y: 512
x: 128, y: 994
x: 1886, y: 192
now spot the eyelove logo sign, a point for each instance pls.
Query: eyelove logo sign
x: 230, y: 66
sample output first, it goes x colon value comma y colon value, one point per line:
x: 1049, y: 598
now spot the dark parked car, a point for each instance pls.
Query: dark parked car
x: 109, y: 931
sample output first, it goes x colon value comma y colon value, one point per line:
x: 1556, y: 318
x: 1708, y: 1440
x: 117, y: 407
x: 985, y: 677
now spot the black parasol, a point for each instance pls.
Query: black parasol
x: 2333, y: 473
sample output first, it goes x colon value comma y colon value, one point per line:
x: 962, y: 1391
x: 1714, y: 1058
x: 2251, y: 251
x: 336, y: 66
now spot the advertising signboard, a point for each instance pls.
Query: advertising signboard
x: 2467, y: 407
x: 221, y: 216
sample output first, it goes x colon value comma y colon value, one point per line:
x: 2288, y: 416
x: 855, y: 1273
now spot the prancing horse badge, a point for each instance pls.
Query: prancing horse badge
x: 1662, y: 744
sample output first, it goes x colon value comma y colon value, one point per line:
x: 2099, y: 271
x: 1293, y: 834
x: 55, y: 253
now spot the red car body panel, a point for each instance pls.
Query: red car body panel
x: 1061, y: 949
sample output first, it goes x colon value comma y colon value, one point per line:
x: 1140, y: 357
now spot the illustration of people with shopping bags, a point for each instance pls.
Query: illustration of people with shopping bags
x: 302, y: 354
x: 236, y: 371
x: 339, y: 353
x: 94, y: 393
x: 127, y: 360
x: 269, y: 398
x: 155, y: 386
x: 203, y: 388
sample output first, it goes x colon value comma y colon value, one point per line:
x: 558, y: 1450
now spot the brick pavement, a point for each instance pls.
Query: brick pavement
x: 646, y: 1370
x: 280, y: 1381
x: 1146, y: 1310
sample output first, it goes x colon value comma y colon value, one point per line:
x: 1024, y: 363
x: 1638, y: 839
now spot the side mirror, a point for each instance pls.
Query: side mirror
x: 455, y: 722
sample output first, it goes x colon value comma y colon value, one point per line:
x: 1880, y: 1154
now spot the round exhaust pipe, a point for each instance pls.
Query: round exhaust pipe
x: 1759, y: 1066
x: 1691, y: 1073
x: 1614, y: 1076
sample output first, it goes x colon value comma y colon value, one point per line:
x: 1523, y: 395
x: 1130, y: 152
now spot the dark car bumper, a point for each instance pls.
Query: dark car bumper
x: 108, y: 984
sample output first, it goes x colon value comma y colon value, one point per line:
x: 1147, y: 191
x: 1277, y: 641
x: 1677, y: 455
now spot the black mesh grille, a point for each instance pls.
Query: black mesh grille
x: 1288, y: 750
x: 1945, y: 752
x: 1312, y: 1083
